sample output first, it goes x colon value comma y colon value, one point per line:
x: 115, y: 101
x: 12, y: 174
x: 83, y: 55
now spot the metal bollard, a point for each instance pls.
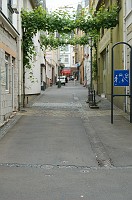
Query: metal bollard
x: 93, y: 104
x: 27, y: 100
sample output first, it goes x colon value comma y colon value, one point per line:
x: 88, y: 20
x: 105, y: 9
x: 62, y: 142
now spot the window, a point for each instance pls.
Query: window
x: 104, y: 60
x: 9, y: 2
x: 128, y: 6
x: 66, y: 59
x: 10, y: 10
x: 102, y: 32
x: 0, y: 4
x: 61, y: 58
x: 73, y: 60
x: 7, y: 72
x: 86, y: 3
x: 65, y: 48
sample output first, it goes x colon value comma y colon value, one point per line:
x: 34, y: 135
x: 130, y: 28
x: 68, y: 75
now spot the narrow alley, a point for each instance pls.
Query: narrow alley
x: 57, y: 148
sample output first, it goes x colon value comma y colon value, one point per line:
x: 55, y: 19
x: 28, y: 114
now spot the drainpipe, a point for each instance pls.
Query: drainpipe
x: 19, y: 55
x: 125, y: 52
x: 0, y: 97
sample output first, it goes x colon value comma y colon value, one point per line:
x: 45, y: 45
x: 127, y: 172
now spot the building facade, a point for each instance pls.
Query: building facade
x: 11, y: 58
x: 8, y: 59
x: 107, y: 38
x: 128, y: 39
x: 65, y: 59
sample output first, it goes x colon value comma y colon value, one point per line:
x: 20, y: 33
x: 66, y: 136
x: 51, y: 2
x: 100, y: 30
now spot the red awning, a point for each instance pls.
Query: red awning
x: 66, y: 71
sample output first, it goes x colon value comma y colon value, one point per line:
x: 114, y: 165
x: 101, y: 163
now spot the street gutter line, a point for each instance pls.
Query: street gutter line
x: 83, y: 169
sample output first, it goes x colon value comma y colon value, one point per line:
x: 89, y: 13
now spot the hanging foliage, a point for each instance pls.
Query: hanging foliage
x: 64, y: 24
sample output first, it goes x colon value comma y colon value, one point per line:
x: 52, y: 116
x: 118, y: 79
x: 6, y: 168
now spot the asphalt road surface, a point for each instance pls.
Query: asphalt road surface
x: 60, y: 150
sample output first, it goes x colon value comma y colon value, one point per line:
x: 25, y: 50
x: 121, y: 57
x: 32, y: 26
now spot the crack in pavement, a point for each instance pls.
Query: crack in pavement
x: 97, y: 146
x: 46, y: 166
x: 82, y: 169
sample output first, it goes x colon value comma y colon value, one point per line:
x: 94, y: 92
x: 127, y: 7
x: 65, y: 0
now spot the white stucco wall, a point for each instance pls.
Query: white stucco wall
x: 33, y: 86
x: 64, y: 53
x: 87, y: 70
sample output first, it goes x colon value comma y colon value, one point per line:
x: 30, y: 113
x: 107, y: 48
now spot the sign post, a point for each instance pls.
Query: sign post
x: 121, y: 78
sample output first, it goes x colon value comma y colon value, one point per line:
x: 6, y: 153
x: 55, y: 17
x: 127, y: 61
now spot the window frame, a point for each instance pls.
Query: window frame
x: 66, y: 58
x: 0, y: 4
x: 128, y: 7
x: 10, y: 10
x: 64, y: 48
x: 7, y: 58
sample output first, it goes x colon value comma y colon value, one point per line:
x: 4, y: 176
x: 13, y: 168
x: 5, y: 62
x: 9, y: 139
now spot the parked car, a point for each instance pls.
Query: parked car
x: 62, y: 80
x: 71, y: 78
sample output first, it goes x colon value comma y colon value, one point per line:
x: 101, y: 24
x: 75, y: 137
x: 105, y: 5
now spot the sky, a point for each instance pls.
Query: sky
x: 54, y: 4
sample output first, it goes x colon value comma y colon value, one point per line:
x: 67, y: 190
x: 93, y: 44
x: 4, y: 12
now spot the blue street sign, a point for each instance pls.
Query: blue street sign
x: 121, y: 78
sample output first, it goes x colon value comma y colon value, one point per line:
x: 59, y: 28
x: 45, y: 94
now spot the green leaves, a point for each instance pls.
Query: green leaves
x: 64, y: 23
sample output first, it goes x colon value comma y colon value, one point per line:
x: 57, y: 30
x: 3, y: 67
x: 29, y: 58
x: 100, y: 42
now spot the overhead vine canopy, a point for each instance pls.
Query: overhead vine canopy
x: 64, y: 24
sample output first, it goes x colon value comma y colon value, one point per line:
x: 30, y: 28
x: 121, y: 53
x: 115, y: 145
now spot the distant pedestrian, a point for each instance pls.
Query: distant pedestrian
x: 50, y: 82
x: 85, y: 82
x: 66, y: 79
x: 74, y: 81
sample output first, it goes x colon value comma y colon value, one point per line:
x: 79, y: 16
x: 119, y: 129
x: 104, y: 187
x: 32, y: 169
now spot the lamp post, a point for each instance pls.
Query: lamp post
x: 91, y: 59
x: 59, y: 82
x: 91, y: 91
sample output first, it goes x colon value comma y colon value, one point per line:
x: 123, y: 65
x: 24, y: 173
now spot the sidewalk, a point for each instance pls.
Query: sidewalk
x: 115, y: 139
